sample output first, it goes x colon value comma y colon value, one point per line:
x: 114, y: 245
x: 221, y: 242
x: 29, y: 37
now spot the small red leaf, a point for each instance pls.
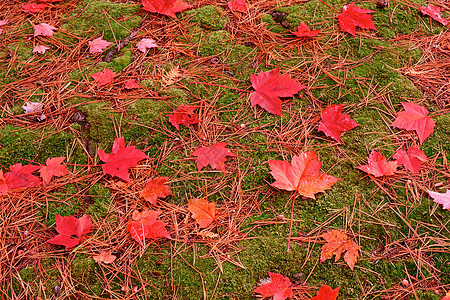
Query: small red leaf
x: 21, y: 177
x: 203, y: 212
x: 279, y: 287
x: 304, y: 31
x: 378, y: 166
x: 145, y: 44
x: 439, y: 198
x: 326, y: 293
x: 334, y: 122
x: 435, y: 13
x: 68, y: 227
x: 410, y: 159
x: 98, y: 45
x: 156, y: 188
x: 165, y: 7
x: 3, y: 185
x: 53, y: 168
x: 145, y: 226
x: 215, y: 156
x: 354, y: 16
x: 238, y: 5
x: 132, y: 84
x: 415, y: 117
x: 185, y: 115
x: 44, y: 29
x: 32, y: 7
x: 103, y: 78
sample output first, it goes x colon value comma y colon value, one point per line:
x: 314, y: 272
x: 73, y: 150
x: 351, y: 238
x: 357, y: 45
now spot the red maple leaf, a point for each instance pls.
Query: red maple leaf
x: 304, y: 31
x: 215, y: 156
x: 185, y: 115
x: 21, y: 177
x: 44, y: 29
x: 279, y: 287
x: 52, y: 168
x: 68, y: 227
x: 326, y: 293
x: 435, y: 13
x: 32, y: 7
x: 156, y: 188
x: 302, y: 176
x: 132, y: 84
x: 145, y: 226
x: 269, y: 86
x: 165, y: 7
x: 238, y: 5
x: 415, y: 117
x: 439, y: 198
x: 203, y: 212
x: 410, y: 159
x: 121, y: 159
x: 354, y: 16
x: 3, y: 185
x: 334, y: 122
x: 98, y: 45
x: 378, y: 165
x: 103, y: 78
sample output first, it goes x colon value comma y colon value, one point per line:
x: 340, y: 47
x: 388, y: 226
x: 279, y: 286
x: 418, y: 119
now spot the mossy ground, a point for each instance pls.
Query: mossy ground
x: 205, y: 59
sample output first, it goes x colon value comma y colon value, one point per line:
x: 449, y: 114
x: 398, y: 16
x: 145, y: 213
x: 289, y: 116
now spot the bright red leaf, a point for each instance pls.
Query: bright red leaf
x: 279, y: 287
x: 44, y: 29
x: 238, y: 5
x: 52, y: 168
x: 304, y: 31
x: 411, y: 159
x: 145, y: 226
x: 103, y: 78
x: 334, y: 122
x: 185, y: 115
x: 3, y: 185
x: 326, y: 293
x: 354, y: 16
x: 269, y: 86
x: 156, y: 188
x: 132, y: 84
x: 165, y: 7
x: 435, y: 13
x: 302, y: 176
x: 32, y: 7
x: 68, y: 227
x: 447, y: 296
x: 98, y: 45
x: 415, y: 117
x: 121, y: 159
x: 439, y: 198
x: 378, y: 166
x: 203, y: 212
x: 215, y: 156
x: 21, y: 177
x: 337, y: 243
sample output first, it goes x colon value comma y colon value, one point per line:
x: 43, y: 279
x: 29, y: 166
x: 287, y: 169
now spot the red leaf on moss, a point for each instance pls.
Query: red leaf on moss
x: 415, y: 117
x: 21, y: 177
x: 378, y: 165
x: 121, y: 159
x: 279, y: 287
x: 435, y: 13
x: 165, y: 7
x: 156, y: 188
x: 3, y: 185
x: 269, y: 86
x: 410, y: 159
x: 145, y: 226
x: 185, y: 115
x: 354, y: 16
x: 44, y: 29
x: 334, y: 122
x: 304, y: 31
x: 203, y: 212
x: 103, y: 78
x: 338, y: 242
x: 238, y: 5
x: 32, y: 7
x: 68, y: 227
x: 98, y: 45
x: 132, y: 84
x: 215, y: 156
x: 326, y: 293
x: 52, y: 168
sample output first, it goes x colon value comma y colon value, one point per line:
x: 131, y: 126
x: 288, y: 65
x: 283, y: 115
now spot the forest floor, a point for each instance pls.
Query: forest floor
x: 204, y: 58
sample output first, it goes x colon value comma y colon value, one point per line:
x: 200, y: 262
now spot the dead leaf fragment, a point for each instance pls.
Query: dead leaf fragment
x: 105, y: 257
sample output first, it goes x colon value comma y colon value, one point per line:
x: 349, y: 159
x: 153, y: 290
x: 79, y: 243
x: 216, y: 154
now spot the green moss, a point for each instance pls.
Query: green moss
x: 100, y: 117
x: 215, y: 43
x: 176, y: 95
x: 209, y: 17
x: 121, y: 62
x: 101, y: 198
x: 83, y: 270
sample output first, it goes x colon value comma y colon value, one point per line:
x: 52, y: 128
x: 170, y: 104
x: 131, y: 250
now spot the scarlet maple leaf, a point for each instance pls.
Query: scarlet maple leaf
x: 156, y: 188
x: 203, y: 212
x: 132, y: 84
x: 21, y: 177
x: 103, y: 78
x: 302, y: 176
x: 53, y: 168
x: 98, y: 45
x: 121, y: 159
x: 304, y: 31
x: 145, y: 226
x: 410, y: 159
x: 3, y: 185
x: 105, y: 257
x: 279, y: 287
x: 269, y: 86
x: 215, y: 156
x: 415, y: 117
x: 238, y: 5
x: 338, y: 243
x: 326, y: 293
x: 165, y: 7
x: 68, y: 227
x: 44, y: 29
x: 40, y: 49
x: 32, y: 7
x: 378, y: 165
x: 354, y: 16
x: 443, y: 198
x: 185, y: 115
x: 145, y: 44
x: 435, y: 13
x: 334, y: 122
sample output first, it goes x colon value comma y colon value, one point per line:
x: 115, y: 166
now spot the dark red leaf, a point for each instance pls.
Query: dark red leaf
x: 21, y: 177
x: 145, y: 226
x: 185, y: 115
x: 304, y: 31
x: 326, y: 293
x: 68, y: 227
x: 334, y: 122
x: 410, y: 159
x: 215, y: 156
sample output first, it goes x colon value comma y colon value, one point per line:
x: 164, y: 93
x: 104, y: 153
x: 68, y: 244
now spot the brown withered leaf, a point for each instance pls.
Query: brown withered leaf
x: 338, y: 242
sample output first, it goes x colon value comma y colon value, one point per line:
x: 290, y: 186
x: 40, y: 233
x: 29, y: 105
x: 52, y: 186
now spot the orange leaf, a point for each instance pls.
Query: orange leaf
x: 105, y: 257
x: 202, y: 211
x: 338, y: 243
x: 155, y: 189
x: 52, y: 168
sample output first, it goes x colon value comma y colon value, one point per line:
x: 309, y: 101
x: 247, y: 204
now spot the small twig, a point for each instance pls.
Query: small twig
x: 111, y: 53
x: 219, y: 85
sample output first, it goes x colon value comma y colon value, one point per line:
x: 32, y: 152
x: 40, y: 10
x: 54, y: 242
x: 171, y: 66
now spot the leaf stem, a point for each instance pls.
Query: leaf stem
x: 328, y: 5
x: 292, y: 220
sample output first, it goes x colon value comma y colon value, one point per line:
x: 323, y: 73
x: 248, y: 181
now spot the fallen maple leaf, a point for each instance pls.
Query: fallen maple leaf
x: 410, y: 159
x: 3, y: 185
x: 21, y: 177
x: 145, y: 44
x: 156, y: 188
x: 415, y: 117
x: 269, y: 86
x: 334, y: 122
x: 304, y: 31
x: 185, y: 115
x: 3, y: 22
x: 103, y: 78
x: 443, y: 198
x: 326, y: 293
x: 32, y: 7
x: 44, y: 29
x: 145, y: 226
x: 31, y: 107
x: 302, y: 176
x: 354, y: 16
x: 98, y: 45
x: 121, y: 159
x: 203, y: 212
x: 105, y: 257
x: 238, y: 5
x: 40, y: 49
x: 378, y: 165
x: 447, y: 296
x: 67, y: 227
x: 165, y: 7
x: 279, y: 287
x: 338, y: 243
x: 132, y: 84
x: 52, y: 168
x: 215, y: 156
x: 435, y: 13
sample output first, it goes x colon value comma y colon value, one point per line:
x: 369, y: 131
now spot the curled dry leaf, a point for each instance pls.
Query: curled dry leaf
x: 203, y: 212
x: 104, y: 257
x: 338, y: 243
x: 156, y: 188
